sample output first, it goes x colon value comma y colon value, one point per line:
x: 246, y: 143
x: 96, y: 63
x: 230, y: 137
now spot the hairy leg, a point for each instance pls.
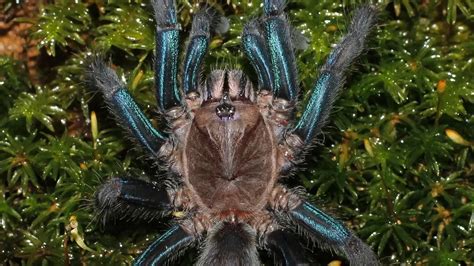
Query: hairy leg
x: 267, y: 44
x: 127, y: 198
x: 166, y: 247
x: 278, y: 41
x: 204, y: 22
x: 331, y: 233
x: 287, y: 247
x: 166, y: 54
x: 196, y: 51
x: 256, y: 51
x: 126, y: 111
x: 332, y: 73
x: 328, y: 232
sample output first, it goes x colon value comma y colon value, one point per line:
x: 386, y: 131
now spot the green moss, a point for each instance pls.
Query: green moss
x: 396, y: 162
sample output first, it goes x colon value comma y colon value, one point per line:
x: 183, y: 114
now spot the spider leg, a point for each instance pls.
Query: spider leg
x: 256, y: 51
x: 133, y: 198
x: 286, y: 245
x: 166, y: 54
x: 122, y: 105
x: 331, y: 233
x: 165, y: 247
x: 331, y: 76
x: 278, y: 41
x: 197, y: 49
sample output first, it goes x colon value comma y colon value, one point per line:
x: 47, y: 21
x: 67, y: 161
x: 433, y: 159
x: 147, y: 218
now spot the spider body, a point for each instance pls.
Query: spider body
x: 230, y: 143
x: 227, y: 156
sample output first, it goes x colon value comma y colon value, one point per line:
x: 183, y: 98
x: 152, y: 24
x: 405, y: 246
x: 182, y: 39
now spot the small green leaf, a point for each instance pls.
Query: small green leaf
x: 60, y: 25
x: 41, y: 106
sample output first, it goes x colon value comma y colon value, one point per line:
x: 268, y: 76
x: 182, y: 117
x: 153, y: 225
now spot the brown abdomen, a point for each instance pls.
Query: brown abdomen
x: 229, y: 162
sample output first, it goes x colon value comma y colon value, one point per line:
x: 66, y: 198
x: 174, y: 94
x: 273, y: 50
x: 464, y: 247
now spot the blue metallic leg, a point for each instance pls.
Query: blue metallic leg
x: 278, y: 41
x: 126, y: 198
x: 166, y: 54
x: 332, y: 76
x: 126, y: 111
x: 165, y: 247
x: 287, y: 248
x: 332, y: 234
x: 197, y: 49
x: 257, y: 52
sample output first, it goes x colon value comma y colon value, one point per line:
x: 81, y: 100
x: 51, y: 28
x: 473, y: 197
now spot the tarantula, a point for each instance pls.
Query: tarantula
x: 229, y: 145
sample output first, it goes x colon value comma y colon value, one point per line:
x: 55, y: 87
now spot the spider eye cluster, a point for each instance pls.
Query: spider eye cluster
x: 225, y: 111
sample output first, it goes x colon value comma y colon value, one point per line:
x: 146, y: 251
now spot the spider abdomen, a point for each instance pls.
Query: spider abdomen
x: 228, y: 162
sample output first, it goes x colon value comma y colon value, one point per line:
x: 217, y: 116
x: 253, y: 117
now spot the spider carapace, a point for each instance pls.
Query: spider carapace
x: 229, y: 143
x: 229, y: 150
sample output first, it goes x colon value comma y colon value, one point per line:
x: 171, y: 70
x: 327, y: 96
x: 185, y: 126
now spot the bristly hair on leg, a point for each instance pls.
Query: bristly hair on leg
x: 168, y: 93
x: 99, y: 75
x: 208, y: 20
x: 287, y: 248
x: 205, y: 22
x: 298, y: 39
x: 218, y: 22
x: 352, y: 45
x: 130, y: 199
x: 256, y: 50
x: 331, y: 234
x: 283, y: 64
x: 274, y: 7
x: 332, y: 74
x: 123, y: 107
x: 359, y: 253
x: 165, y: 16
